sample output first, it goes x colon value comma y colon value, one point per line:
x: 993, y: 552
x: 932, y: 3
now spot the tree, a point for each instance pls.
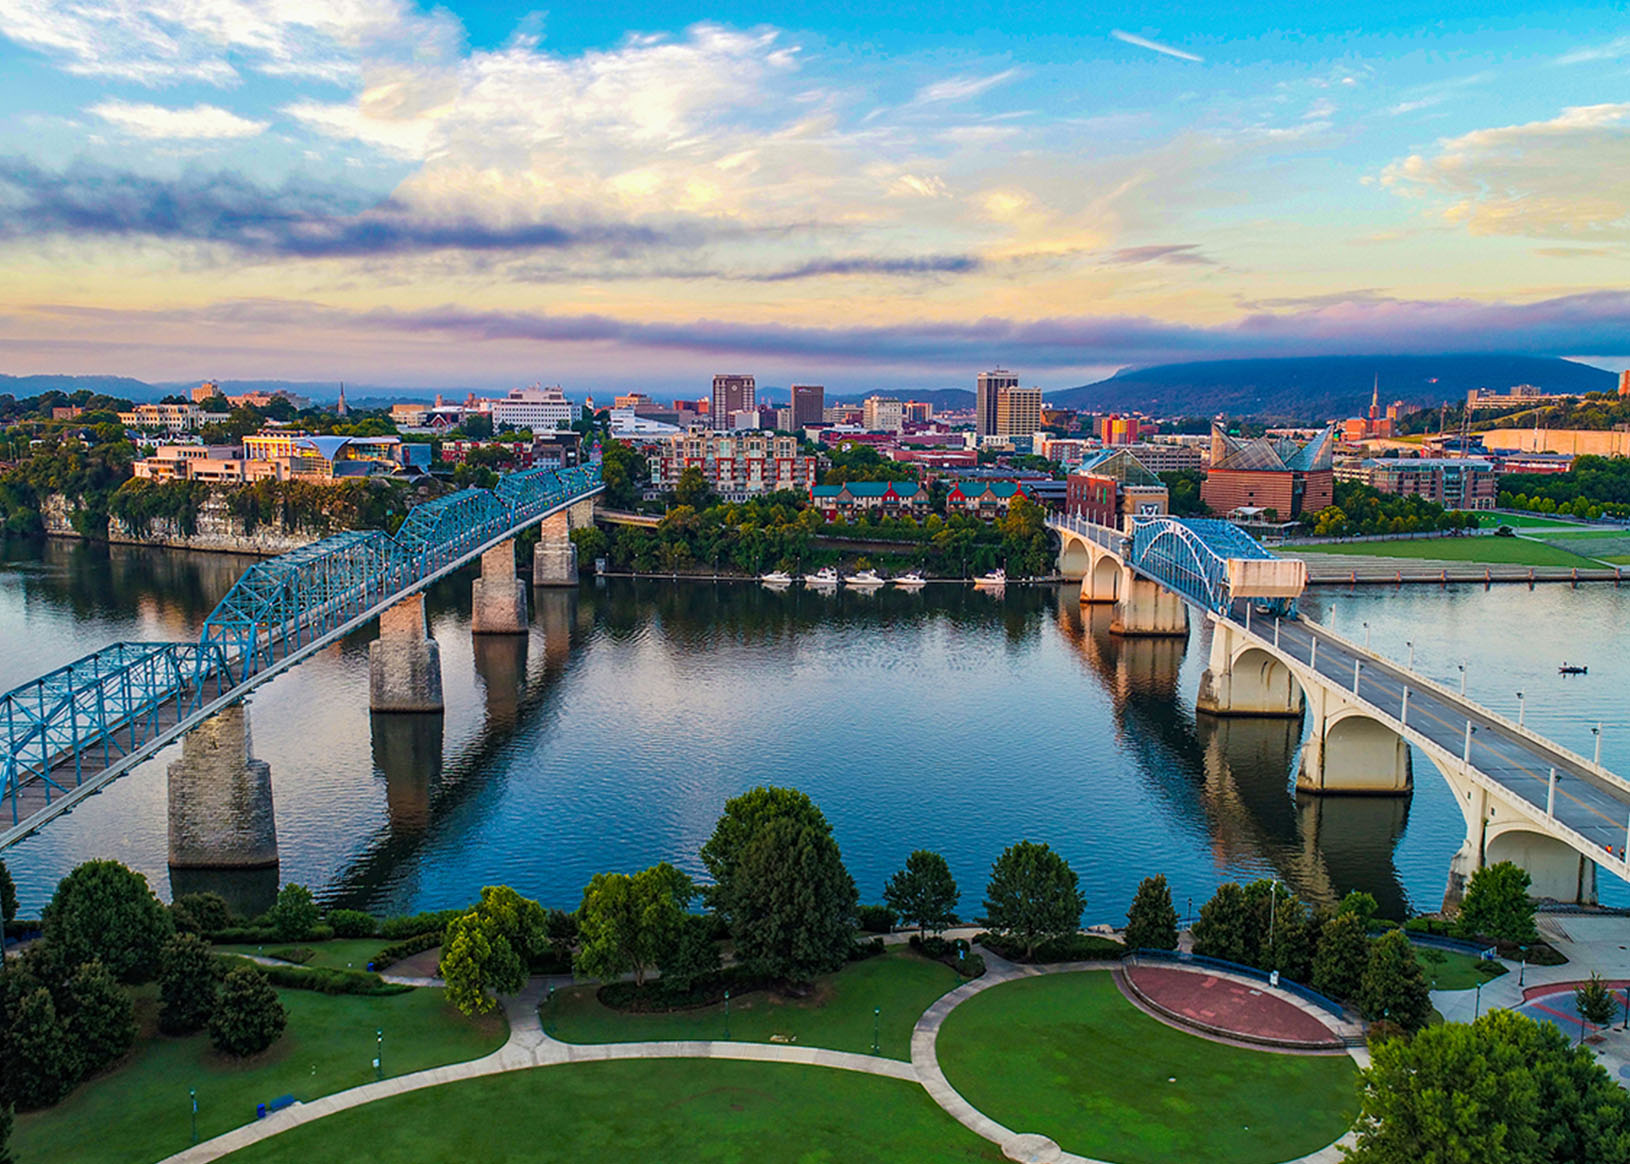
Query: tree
x: 1033, y: 895
x: 188, y: 979
x: 8, y: 914
x: 104, y: 912
x: 1224, y: 928
x: 295, y: 914
x: 1502, y: 1090
x: 1393, y: 987
x: 1595, y: 1003
x: 248, y: 1017
x: 1362, y: 905
x: 630, y: 922
x: 7, y: 1118
x: 790, y: 902
x: 99, y: 1016
x: 206, y: 912
x: 489, y: 946
x: 692, y: 488
x: 1288, y: 936
x: 693, y: 956
x: 743, y: 816
x: 1343, y: 953
x: 924, y: 892
x: 1151, y: 921
x: 40, y: 1066
x: 1497, y: 905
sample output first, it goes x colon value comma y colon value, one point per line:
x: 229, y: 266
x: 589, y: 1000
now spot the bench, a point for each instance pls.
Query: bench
x: 262, y: 1110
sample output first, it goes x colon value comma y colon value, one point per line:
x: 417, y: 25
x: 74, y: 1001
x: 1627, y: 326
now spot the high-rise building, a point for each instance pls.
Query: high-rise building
x: 1624, y: 382
x: 883, y: 414
x: 543, y: 409
x: 732, y: 394
x: 1018, y: 411
x: 990, y: 387
x: 808, y: 404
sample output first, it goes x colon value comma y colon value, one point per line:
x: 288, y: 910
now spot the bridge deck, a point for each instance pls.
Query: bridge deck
x: 1590, y: 801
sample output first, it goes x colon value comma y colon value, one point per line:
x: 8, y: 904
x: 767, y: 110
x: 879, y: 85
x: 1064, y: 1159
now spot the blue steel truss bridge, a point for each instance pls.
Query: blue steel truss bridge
x: 69, y: 733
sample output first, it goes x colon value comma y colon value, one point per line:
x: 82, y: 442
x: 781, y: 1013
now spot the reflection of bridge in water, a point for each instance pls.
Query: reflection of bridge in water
x: 1230, y: 778
x: 1523, y: 798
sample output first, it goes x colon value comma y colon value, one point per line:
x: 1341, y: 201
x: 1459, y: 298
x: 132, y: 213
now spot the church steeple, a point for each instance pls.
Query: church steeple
x: 1375, y: 399
x: 341, y: 409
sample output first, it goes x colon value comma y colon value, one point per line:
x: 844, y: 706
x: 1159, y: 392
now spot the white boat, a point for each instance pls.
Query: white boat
x: 825, y: 576
x: 911, y: 580
x: 994, y: 580
x: 776, y: 578
x: 866, y: 578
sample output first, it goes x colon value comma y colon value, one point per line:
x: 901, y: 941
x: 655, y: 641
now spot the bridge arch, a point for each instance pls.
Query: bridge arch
x: 1075, y: 557
x: 1351, y: 752
x: 1102, y: 582
x: 1555, y: 869
x: 1245, y: 677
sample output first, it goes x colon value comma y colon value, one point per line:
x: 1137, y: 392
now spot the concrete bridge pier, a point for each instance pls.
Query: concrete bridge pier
x: 1349, y: 752
x: 404, y: 662
x: 554, y: 561
x: 221, y: 799
x: 1496, y: 833
x: 497, y: 598
x: 1244, y: 679
x: 1147, y: 608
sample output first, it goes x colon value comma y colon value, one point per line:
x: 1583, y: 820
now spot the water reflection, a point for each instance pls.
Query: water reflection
x: 407, y: 750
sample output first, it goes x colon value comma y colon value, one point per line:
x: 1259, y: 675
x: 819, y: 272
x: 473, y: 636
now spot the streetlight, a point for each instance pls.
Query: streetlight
x: 1521, y: 707
x: 1189, y: 913
x: 1462, y: 667
x: 1522, y: 970
x: 379, y: 1054
x: 727, y: 1014
x: 1477, y: 1013
x: 1411, y: 645
x: 877, y: 1018
x: 1597, y: 732
x: 1366, y: 636
x: 551, y: 1006
x: 192, y: 1094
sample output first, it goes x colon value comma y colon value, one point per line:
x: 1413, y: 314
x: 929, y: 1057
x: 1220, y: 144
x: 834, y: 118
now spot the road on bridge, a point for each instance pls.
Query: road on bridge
x: 1592, y: 806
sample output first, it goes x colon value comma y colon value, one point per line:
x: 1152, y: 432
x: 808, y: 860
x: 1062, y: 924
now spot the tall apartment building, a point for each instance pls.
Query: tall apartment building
x: 883, y: 414
x: 735, y: 464
x: 539, y: 409
x: 990, y: 388
x: 919, y: 411
x: 808, y: 404
x: 1018, y: 411
x: 732, y: 394
x: 1624, y: 382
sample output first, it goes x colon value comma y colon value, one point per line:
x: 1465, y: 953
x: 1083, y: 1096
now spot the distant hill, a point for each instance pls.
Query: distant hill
x: 122, y: 387
x: 1319, y: 388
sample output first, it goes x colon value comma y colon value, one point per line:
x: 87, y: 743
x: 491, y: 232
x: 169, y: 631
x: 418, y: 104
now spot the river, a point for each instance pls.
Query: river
x: 947, y: 719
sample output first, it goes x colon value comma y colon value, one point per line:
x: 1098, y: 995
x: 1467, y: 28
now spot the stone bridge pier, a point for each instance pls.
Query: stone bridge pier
x: 554, y: 562
x: 1147, y: 608
x: 404, y: 662
x: 497, y: 598
x: 1495, y: 832
x: 221, y: 799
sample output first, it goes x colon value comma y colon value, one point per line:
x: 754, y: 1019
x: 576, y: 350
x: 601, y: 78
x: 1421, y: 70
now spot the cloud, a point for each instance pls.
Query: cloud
x: 962, y: 88
x: 164, y: 42
x: 1591, y: 324
x: 1153, y: 45
x: 302, y: 220
x: 1179, y: 253
x: 1528, y: 179
x: 199, y: 123
x: 1610, y: 51
x: 929, y: 265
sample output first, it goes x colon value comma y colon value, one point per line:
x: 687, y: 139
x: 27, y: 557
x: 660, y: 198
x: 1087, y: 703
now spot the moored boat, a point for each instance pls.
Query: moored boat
x: 776, y: 578
x: 994, y: 579
x: 826, y: 576
x: 865, y: 578
x: 911, y: 580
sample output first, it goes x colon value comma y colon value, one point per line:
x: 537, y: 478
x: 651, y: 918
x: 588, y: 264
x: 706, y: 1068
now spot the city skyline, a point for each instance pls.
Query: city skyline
x: 474, y: 195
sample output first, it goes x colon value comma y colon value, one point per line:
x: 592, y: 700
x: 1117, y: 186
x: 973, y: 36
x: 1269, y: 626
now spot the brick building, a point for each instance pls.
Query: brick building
x: 736, y: 465
x: 1113, y: 486
x: 1280, y: 473
x: 891, y: 498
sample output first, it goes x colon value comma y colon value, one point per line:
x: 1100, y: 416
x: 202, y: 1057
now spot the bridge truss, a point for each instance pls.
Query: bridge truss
x: 72, y: 730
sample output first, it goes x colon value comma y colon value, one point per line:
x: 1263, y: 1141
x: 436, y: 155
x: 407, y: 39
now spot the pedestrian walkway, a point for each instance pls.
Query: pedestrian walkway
x: 530, y: 1046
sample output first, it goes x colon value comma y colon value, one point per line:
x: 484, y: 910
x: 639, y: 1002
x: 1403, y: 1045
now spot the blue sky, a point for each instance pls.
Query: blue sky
x: 861, y: 194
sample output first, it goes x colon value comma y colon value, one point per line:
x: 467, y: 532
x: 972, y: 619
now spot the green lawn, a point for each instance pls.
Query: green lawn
x: 672, y: 1111
x: 138, y: 1112
x: 1522, y: 521
x: 838, y: 1015
x: 339, y: 954
x: 1065, y: 1055
x: 1521, y: 551
x: 1456, y: 971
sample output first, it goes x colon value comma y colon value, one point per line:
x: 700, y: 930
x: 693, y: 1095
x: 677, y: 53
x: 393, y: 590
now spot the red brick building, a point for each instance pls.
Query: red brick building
x: 1287, y: 476
x: 1113, y: 485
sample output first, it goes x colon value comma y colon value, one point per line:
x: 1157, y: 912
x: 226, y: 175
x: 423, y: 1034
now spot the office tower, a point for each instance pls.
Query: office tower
x: 808, y: 404
x: 990, y: 387
x: 732, y: 394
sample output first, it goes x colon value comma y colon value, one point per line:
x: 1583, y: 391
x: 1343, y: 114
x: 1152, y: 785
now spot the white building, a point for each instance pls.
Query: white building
x: 884, y: 414
x: 170, y: 417
x: 539, y: 409
x: 627, y: 425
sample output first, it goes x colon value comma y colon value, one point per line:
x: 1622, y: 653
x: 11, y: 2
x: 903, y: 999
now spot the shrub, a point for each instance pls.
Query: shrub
x: 325, y: 980
x: 417, y: 944
x: 207, y: 912
x: 876, y: 919
x: 104, y: 912
x: 99, y: 1017
x: 248, y: 1017
x: 352, y: 923
x: 1073, y: 948
x: 860, y: 951
x: 397, y: 928
x: 243, y: 936
x: 40, y: 1068
x: 187, y: 981
x: 294, y: 917
x: 973, y: 966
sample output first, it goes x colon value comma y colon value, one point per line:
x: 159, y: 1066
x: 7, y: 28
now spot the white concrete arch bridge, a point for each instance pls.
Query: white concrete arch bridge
x: 1523, y: 797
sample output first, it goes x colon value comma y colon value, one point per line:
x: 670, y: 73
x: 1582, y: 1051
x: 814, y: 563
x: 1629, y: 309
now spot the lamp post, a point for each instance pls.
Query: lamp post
x: 1462, y: 667
x: 1597, y: 732
x: 1521, y: 708
x: 877, y: 1019
x: 192, y: 1094
x: 551, y: 1006
x: 1411, y: 645
x: 1478, y: 1011
x: 379, y: 1054
x: 1522, y: 971
x: 727, y: 1014
x: 1366, y: 636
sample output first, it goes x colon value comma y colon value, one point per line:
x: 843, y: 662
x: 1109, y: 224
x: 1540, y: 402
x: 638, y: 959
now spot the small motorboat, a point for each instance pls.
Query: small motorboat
x: 995, y: 579
x: 1572, y: 669
x: 911, y: 580
x: 776, y: 578
x: 866, y: 579
x: 825, y: 576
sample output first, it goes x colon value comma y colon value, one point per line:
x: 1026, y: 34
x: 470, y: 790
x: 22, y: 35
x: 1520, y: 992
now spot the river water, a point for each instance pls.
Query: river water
x: 948, y: 719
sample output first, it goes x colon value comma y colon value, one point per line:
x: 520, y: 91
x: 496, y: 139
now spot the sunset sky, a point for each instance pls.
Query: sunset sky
x: 857, y: 194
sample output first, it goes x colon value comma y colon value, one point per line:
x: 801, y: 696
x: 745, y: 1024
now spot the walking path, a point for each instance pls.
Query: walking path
x: 529, y: 1046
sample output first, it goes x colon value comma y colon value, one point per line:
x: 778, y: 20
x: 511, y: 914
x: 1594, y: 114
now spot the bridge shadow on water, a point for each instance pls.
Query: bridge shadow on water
x: 1231, y: 780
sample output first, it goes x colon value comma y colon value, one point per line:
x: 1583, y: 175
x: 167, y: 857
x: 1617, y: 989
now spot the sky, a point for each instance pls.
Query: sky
x: 620, y: 194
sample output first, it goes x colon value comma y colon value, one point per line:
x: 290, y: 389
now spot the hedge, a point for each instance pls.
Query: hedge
x: 322, y: 979
x: 417, y: 944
